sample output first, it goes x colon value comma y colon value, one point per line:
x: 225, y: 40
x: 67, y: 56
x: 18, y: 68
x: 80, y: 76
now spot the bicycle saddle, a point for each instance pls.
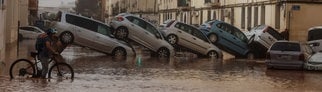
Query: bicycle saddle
x: 33, y: 54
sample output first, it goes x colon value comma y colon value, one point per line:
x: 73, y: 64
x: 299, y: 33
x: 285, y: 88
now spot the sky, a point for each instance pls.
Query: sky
x: 53, y: 3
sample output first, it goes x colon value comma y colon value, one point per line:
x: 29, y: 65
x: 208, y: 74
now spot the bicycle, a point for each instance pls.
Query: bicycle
x: 23, y: 68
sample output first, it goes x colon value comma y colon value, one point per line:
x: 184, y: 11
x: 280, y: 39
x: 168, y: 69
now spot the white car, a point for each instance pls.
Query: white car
x: 314, y: 62
x: 131, y: 27
x: 92, y: 34
x: 315, y: 38
x: 29, y: 32
x: 181, y: 34
x: 265, y: 35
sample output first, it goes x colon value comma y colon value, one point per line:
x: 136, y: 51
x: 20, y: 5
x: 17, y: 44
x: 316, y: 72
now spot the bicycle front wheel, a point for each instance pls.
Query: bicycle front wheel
x: 22, y: 68
x: 61, y: 71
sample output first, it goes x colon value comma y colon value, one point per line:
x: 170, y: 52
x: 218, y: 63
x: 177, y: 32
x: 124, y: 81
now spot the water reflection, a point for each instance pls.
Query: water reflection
x: 99, y: 72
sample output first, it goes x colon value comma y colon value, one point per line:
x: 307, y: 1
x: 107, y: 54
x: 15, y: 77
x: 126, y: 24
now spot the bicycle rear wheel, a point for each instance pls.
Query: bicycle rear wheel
x: 61, y: 71
x: 22, y: 68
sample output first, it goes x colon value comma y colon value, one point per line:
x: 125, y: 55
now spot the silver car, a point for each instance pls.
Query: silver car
x: 181, y: 34
x: 287, y: 55
x: 131, y: 27
x: 29, y: 32
x: 91, y: 33
x: 314, y: 62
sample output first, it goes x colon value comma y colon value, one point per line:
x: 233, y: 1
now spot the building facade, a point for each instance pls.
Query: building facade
x: 147, y: 9
x: 295, y: 15
x: 9, y: 20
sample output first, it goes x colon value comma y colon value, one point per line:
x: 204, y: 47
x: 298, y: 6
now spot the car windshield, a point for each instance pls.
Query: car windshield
x: 286, y: 46
x: 315, y: 35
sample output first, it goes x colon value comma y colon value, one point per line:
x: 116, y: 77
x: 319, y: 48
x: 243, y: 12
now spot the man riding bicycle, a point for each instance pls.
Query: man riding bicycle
x: 44, y: 46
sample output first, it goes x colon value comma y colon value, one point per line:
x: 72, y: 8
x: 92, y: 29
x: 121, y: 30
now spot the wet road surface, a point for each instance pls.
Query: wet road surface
x: 96, y: 72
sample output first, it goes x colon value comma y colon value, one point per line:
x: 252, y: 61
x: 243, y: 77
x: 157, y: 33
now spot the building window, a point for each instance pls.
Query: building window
x: 209, y: 15
x: 255, y: 16
x: 263, y: 14
x: 214, y: 15
x: 232, y: 16
x: 277, y: 17
x: 201, y: 17
x: 249, y: 17
x: 243, y: 18
x: 222, y: 15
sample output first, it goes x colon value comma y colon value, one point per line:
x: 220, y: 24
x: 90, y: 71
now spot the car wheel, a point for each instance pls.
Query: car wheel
x: 172, y: 39
x: 212, y: 54
x: 66, y: 37
x: 163, y: 52
x: 121, y: 33
x: 213, y: 38
x: 119, y: 52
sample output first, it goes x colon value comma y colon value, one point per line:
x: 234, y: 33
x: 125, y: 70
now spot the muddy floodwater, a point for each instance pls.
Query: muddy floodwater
x: 97, y: 72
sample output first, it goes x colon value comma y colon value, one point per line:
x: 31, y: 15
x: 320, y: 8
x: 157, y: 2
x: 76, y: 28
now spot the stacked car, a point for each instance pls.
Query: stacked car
x: 92, y: 34
x: 228, y: 38
x: 187, y: 36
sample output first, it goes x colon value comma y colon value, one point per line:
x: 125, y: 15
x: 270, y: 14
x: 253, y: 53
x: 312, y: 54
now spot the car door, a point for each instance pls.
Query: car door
x: 104, y: 40
x: 84, y: 29
x: 200, y: 41
x: 140, y: 34
x: 240, y: 41
x: 227, y: 39
x: 183, y: 31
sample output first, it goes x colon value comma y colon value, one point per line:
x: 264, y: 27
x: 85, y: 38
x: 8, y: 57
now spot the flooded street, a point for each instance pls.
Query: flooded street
x: 96, y: 72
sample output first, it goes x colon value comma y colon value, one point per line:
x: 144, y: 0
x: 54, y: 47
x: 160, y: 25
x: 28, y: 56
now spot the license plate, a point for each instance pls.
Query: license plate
x: 285, y: 57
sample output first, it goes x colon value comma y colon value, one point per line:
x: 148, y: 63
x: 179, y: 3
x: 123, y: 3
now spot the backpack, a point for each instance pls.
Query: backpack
x: 40, y: 43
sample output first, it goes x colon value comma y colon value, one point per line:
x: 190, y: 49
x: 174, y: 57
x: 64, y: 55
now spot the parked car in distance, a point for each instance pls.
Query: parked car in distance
x: 131, y: 27
x: 90, y: 33
x: 315, y: 38
x: 228, y: 38
x: 287, y: 55
x: 29, y: 32
x: 187, y: 36
x: 314, y: 62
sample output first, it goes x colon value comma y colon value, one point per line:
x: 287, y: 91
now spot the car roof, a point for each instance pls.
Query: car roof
x: 316, y: 27
x: 86, y: 18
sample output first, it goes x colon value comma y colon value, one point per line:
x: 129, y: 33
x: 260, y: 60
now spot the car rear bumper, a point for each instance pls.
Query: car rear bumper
x: 285, y: 64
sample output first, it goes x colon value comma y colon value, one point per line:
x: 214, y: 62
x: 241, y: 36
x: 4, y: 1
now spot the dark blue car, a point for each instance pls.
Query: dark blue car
x: 228, y: 38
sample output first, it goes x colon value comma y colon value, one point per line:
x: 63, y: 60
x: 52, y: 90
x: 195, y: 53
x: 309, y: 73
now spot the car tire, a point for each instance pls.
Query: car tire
x: 163, y: 53
x: 66, y: 37
x: 213, y: 38
x: 119, y: 52
x: 172, y: 39
x: 122, y: 33
x: 212, y: 54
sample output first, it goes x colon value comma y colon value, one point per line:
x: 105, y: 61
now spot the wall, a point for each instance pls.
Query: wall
x: 24, y: 12
x: 2, y: 35
x: 301, y: 20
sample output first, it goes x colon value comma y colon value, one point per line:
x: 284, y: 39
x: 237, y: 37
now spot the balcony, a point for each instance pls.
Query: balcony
x: 213, y: 3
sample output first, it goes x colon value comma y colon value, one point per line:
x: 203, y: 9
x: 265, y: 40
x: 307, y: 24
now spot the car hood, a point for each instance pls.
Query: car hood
x: 317, y: 57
